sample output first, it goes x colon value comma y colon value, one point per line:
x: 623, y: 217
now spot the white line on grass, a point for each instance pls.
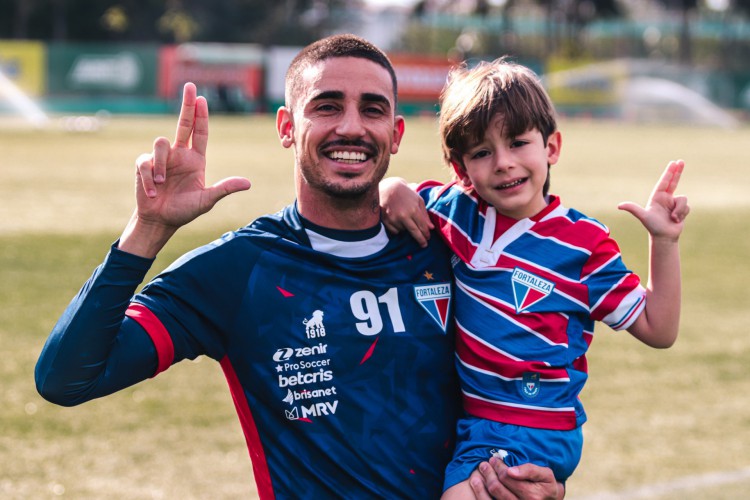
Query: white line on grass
x: 674, y: 486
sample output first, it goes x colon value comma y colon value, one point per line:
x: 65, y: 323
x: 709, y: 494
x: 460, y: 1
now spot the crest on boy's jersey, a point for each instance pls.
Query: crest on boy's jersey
x: 528, y: 289
x: 436, y: 300
x: 530, y: 385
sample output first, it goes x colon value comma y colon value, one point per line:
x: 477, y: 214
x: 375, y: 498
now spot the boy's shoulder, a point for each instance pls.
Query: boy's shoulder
x: 571, y: 225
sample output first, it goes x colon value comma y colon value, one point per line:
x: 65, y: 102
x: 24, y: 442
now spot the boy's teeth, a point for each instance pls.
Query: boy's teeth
x: 511, y: 184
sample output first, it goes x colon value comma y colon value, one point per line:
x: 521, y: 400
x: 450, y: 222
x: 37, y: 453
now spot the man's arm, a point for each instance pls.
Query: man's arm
x: 94, y: 349
x: 663, y: 217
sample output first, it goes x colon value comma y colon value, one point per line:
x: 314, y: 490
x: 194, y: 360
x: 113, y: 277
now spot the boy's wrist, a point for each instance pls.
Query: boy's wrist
x: 665, y: 239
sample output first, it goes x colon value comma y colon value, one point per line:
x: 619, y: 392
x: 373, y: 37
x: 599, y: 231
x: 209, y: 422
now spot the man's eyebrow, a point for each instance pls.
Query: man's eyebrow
x: 338, y: 95
x: 378, y: 98
x: 328, y: 94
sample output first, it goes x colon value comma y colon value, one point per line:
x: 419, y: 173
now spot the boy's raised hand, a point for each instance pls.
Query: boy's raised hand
x: 170, y: 181
x: 665, y: 213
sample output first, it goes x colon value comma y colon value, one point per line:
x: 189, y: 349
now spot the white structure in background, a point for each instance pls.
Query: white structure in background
x: 29, y: 109
x: 639, y: 91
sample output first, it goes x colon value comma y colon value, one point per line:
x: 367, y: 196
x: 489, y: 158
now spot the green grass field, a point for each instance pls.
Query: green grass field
x: 660, y: 422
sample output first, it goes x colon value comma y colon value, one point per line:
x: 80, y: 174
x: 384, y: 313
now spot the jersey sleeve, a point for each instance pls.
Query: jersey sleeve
x: 189, y: 309
x: 93, y: 350
x: 456, y: 215
x: 616, y: 296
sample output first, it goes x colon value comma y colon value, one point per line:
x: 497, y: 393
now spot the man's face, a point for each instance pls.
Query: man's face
x: 343, y: 128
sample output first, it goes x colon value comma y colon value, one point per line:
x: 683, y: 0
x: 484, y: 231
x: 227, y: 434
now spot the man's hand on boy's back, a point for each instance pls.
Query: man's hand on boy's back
x: 494, y: 480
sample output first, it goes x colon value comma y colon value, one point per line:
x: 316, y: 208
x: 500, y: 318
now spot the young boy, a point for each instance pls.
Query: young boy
x: 531, y: 275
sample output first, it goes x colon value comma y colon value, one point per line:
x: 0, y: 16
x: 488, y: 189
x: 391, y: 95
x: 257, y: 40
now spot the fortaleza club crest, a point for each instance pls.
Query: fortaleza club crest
x: 530, y: 385
x: 528, y: 289
x: 436, y: 300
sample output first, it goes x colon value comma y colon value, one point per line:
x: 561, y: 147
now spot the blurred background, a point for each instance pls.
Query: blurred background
x: 639, y: 60
x: 85, y: 85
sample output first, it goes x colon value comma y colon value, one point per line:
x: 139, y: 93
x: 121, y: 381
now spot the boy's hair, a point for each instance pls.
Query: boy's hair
x: 333, y: 46
x: 473, y: 96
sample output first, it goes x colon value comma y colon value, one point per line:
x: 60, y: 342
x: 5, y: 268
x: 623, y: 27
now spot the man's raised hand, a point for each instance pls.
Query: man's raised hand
x: 170, y: 181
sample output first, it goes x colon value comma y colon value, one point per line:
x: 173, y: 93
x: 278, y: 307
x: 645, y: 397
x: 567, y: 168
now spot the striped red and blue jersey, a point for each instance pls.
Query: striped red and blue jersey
x: 527, y: 295
x: 341, y: 369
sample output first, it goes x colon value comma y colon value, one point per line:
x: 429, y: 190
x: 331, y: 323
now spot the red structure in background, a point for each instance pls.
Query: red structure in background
x: 230, y: 76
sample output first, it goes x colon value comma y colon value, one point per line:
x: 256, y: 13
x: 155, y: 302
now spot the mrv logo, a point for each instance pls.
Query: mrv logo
x: 314, y: 410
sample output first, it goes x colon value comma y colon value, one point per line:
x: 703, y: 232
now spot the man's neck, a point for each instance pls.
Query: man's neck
x: 337, y: 213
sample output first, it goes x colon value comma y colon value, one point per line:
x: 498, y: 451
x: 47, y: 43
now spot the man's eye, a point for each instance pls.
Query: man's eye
x: 373, y: 111
x: 326, y: 107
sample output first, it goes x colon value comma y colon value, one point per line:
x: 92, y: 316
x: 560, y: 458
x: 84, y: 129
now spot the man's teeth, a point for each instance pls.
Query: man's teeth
x: 347, y: 156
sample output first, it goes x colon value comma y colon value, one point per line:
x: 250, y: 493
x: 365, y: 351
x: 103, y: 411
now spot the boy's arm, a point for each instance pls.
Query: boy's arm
x: 663, y: 217
x: 403, y: 209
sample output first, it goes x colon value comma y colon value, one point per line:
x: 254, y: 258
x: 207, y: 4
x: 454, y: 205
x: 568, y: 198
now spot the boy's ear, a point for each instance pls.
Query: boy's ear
x: 461, y: 173
x: 554, y: 145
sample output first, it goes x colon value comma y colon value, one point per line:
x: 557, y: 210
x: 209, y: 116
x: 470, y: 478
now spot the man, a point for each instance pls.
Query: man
x: 335, y: 339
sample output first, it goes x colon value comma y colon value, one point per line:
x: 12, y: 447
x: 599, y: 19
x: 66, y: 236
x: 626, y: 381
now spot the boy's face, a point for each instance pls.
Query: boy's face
x: 509, y: 172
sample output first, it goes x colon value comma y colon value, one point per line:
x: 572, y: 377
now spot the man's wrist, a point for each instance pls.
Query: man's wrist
x: 143, y: 238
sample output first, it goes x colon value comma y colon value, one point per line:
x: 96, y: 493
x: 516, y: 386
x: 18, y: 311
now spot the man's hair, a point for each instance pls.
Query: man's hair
x: 473, y: 96
x: 333, y: 46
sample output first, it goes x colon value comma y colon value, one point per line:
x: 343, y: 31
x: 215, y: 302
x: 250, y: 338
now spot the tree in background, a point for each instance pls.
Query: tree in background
x: 282, y: 22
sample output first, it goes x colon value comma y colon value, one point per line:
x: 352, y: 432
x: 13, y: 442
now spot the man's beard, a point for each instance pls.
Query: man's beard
x: 340, y: 190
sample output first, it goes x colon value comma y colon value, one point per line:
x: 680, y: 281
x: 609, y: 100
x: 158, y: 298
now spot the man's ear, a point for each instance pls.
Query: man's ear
x: 285, y: 126
x: 398, y: 133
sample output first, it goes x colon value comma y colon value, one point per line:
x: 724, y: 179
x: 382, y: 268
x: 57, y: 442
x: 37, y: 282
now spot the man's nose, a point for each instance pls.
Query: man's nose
x: 351, y: 124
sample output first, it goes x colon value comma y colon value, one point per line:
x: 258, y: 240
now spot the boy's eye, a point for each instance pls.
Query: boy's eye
x: 480, y: 154
x: 517, y: 143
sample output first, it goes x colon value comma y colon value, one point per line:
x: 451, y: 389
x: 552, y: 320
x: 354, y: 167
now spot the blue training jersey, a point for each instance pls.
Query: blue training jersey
x: 340, y: 368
